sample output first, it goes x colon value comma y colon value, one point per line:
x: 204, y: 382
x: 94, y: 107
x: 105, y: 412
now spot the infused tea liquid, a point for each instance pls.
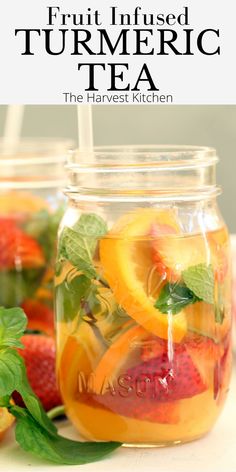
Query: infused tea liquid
x: 143, y: 319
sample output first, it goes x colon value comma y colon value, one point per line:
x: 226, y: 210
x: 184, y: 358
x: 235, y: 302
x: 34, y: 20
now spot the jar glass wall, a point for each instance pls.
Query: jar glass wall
x: 143, y: 295
x: 31, y: 205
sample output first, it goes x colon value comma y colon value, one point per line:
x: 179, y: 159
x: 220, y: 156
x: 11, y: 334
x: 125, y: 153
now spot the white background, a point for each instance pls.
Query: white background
x: 41, y: 79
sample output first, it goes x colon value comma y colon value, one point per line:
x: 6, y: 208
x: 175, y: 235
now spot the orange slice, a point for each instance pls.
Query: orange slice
x: 115, y: 356
x: 6, y: 420
x: 80, y: 355
x: 127, y: 260
x: 21, y: 202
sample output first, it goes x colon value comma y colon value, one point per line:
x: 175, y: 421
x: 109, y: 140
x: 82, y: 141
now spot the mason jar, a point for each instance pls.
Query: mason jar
x: 143, y: 295
x: 31, y: 205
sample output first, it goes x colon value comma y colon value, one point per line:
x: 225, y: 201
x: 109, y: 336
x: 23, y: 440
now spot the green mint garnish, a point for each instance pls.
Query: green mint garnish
x: 174, y: 297
x: 78, y: 244
x: 200, y: 279
x: 34, y: 431
x: 78, y: 295
x: 12, y: 326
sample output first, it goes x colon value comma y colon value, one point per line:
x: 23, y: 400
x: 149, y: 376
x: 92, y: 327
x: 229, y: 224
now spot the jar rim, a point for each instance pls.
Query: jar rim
x: 140, y: 157
x: 37, y: 163
x: 36, y: 151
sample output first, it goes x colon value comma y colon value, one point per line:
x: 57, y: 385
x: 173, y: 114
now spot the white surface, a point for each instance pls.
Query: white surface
x: 214, y: 453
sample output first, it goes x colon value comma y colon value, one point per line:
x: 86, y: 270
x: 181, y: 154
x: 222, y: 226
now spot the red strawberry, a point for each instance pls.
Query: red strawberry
x: 160, y: 381
x: 39, y: 355
x: 153, y: 347
x: 141, y: 408
x: 17, y: 249
x: 175, y: 376
x: 40, y: 316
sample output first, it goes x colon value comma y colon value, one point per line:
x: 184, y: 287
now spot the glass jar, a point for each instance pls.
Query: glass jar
x: 143, y: 295
x: 31, y: 206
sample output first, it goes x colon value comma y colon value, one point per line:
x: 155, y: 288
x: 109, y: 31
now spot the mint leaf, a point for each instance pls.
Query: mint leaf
x: 50, y: 446
x: 10, y: 371
x: 174, y: 297
x: 79, y: 251
x: 12, y: 326
x: 200, y: 279
x: 69, y: 295
x: 32, y: 402
x: 35, y: 432
x: 78, y: 244
x: 13, y: 378
x: 91, y: 225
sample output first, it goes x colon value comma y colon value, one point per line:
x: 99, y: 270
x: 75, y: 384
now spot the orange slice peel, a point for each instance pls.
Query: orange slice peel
x: 127, y: 260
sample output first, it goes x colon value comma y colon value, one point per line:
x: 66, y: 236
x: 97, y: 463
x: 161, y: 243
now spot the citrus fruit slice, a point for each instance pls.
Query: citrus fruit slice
x: 21, y: 202
x: 6, y: 420
x: 127, y: 260
x: 115, y: 356
x: 80, y: 354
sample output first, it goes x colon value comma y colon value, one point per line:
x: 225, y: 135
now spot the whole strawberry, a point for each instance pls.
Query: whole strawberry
x: 40, y: 355
x: 18, y: 249
x: 40, y: 316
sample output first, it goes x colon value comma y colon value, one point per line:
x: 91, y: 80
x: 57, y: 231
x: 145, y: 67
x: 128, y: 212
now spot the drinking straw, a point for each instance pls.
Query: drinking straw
x: 12, y: 130
x: 85, y: 128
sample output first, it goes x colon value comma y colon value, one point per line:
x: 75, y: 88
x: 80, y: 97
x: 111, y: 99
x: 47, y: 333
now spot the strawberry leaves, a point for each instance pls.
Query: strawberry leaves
x: 35, y: 432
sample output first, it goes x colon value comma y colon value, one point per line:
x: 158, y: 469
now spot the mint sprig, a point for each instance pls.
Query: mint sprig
x: 200, y: 279
x: 174, y: 298
x: 34, y: 431
x: 12, y: 326
x: 196, y: 284
x: 36, y: 440
x: 78, y: 244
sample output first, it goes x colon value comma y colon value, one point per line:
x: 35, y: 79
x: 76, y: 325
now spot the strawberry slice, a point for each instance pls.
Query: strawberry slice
x: 203, y: 351
x: 152, y: 388
x: 175, y: 254
x: 172, y: 254
x: 17, y: 249
x: 153, y: 347
x: 164, y: 413
x: 141, y: 408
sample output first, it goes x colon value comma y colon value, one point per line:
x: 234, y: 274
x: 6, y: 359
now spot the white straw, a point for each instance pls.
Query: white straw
x: 13, y: 127
x: 85, y: 128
